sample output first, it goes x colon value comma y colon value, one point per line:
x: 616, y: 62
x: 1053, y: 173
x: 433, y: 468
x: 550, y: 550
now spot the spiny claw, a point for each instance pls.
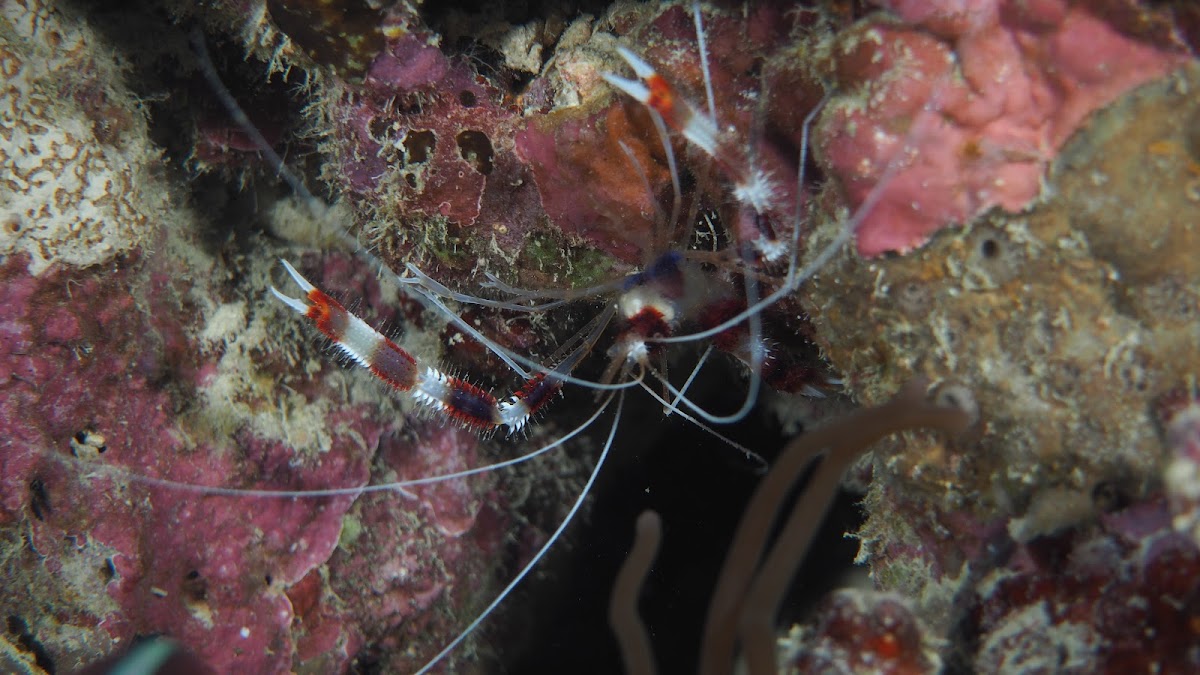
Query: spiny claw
x: 304, y: 284
x: 639, y: 89
x: 635, y: 89
x: 654, y: 92
x: 640, y: 68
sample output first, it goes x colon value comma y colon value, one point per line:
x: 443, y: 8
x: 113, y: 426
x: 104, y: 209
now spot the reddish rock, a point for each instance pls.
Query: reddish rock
x: 980, y: 96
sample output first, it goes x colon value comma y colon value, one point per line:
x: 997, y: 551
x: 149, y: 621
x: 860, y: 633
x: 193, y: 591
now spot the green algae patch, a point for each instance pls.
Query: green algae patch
x: 575, y: 266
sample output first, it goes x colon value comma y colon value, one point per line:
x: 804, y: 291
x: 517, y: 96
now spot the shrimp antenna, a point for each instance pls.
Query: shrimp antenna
x: 702, y: 46
x: 267, y: 493
x: 760, y: 464
x: 541, y: 553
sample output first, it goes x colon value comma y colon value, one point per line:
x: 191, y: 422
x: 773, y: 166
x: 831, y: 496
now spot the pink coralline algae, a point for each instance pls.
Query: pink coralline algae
x: 401, y: 554
x: 96, y: 373
x: 961, y: 106
x: 574, y: 147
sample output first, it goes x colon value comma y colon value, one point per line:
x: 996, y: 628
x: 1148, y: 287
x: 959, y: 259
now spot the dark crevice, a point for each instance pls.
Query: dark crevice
x: 230, y: 182
x: 476, y: 148
x: 19, y: 631
x: 419, y: 146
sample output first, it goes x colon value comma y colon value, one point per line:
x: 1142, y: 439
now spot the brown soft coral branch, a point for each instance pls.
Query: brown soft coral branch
x: 746, y: 600
x: 632, y: 638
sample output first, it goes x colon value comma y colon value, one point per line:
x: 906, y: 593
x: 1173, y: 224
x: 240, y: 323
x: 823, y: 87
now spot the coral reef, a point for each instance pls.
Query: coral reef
x: 139, y: 362
x: 1068, y: 322
x: 250, y: 583
x: 139, y: 340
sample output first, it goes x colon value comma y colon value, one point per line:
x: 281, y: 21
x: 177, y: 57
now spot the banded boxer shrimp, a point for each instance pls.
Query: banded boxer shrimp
x: 648, y: 307
x: 634, y: 362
